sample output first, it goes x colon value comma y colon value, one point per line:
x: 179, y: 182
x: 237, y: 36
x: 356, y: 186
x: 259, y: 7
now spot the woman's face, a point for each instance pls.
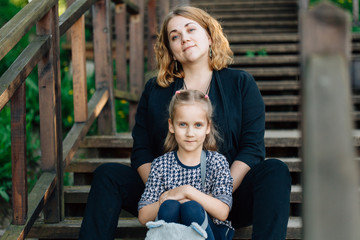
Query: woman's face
x: 189, y: 42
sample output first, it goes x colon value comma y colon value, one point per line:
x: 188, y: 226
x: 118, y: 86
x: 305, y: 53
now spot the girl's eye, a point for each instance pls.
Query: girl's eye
x: 198, y: 125
x: 182, y: 124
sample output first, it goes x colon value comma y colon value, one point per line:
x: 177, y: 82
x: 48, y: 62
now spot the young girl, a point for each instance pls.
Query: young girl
x: 174, y: 192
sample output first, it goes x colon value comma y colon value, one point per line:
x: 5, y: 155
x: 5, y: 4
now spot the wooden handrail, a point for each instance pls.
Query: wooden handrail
x: 16, y: 74
x: 21, y: 23
x: 73, y: 13
x: 43, y: 51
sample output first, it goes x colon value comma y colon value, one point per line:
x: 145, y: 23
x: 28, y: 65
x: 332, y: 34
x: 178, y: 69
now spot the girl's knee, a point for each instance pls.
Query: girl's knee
x: 170, y: 204
x: 192, y: 211
x: 169, y: 211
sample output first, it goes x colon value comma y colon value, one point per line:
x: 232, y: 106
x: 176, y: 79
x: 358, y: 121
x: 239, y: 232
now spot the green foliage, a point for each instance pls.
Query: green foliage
x: 262, y: 52
x: 346, y: 4
x: 8, y: 9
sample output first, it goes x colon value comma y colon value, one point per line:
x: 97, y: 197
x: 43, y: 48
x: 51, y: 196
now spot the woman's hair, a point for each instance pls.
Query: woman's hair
x: 186, y: 97
x: 222, y: 55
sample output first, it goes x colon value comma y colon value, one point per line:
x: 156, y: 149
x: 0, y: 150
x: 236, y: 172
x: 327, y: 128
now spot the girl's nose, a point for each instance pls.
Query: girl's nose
x: 189, y: 132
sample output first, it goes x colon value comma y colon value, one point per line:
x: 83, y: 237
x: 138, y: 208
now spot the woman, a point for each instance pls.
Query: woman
x: 193, y: 53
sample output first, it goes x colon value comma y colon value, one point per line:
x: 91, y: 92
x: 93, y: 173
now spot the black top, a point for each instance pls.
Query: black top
x: 239, y: 116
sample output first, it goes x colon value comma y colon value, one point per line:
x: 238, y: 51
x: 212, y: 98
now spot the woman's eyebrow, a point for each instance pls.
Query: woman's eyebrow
x: 175, y: 30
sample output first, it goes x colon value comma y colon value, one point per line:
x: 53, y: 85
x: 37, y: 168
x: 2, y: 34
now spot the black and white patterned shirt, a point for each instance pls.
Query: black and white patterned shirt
x: 167, y: 172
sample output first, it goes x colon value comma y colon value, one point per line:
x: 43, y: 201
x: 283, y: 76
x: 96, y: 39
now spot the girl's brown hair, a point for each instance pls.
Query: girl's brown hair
x: 222, y: 55
x: 190, y: 97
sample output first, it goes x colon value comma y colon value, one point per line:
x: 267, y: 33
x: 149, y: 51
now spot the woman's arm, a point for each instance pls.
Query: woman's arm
x: 144, y: 171
x: 238, y: 171
x: 213, y: 206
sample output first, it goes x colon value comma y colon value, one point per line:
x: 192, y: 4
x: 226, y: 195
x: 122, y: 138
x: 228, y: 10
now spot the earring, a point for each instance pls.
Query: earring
x: 210, y: 52
x: 176, y: 66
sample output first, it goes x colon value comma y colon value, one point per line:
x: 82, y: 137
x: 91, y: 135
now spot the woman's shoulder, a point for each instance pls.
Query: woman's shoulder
x: 216, y: 158
x: 164, y: 159
x: 234, y: 73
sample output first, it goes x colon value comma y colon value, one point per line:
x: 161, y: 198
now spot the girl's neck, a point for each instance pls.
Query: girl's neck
x: 189, y: 158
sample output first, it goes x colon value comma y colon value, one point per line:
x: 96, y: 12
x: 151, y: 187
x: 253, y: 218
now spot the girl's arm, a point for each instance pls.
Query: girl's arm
x: 213, y: 206
x: 149, y: 212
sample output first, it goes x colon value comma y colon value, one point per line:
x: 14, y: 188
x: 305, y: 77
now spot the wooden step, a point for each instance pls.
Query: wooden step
x: 260, y: 31
x: 273, y: 138
x: 260, y: 24
x: 272, y: 71
x: 230, y: 16
x: 278, y: 85
x: 292, y: 100
x: 268, y: 48
x: 263, y: 38
x: 130, y: 228
x: 79, y: 194
x: 252, y: 4
x: 88, y: 165
x: 267, y: 60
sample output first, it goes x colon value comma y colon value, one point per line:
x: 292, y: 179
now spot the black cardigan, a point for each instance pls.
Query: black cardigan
x: 239, y: 116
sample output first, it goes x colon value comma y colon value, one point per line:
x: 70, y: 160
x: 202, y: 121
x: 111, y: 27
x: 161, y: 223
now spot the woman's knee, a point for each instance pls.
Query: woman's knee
x: 277, y: 170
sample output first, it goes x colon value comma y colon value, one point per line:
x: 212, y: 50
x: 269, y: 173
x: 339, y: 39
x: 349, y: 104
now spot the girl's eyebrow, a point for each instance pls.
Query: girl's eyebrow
x: 174, y: 30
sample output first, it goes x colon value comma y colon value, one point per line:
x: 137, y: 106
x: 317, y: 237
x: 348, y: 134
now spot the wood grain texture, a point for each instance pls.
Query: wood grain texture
x: 17, y: 73
x: 21, y: 23
x: 18, y: 156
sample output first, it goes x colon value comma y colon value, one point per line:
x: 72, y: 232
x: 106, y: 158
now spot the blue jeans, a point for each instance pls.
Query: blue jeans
x: 189, y: 212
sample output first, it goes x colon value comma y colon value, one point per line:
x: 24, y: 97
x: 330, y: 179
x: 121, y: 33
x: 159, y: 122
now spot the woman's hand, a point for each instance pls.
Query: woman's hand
x: 179, y: 194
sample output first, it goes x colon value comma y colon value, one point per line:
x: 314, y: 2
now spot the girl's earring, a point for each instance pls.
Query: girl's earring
x: 210, y: 52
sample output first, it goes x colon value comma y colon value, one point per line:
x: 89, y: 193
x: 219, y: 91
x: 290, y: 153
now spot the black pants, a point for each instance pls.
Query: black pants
x: 262, y: 200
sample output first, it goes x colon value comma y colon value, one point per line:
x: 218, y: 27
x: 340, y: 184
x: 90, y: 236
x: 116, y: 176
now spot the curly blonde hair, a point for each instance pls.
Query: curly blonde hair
x: 222, y: 55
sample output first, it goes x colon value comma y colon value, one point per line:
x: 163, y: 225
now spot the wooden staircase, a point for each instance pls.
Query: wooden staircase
x: 268, y: 29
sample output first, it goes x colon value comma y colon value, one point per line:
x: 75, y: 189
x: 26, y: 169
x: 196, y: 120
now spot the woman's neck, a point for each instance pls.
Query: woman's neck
x: 198, y: 78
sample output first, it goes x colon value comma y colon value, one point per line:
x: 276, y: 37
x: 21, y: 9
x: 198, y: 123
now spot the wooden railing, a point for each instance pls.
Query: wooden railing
x: 44, y: 52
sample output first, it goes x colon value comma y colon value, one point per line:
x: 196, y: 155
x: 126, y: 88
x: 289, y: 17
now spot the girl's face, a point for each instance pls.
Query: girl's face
x: 189, y: 42
x: 190, y: 126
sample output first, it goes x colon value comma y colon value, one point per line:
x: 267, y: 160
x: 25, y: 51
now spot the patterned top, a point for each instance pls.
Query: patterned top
x: 167, y: 172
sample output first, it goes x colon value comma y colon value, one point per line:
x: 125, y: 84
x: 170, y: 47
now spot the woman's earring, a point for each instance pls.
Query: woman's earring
x: 210, y: 52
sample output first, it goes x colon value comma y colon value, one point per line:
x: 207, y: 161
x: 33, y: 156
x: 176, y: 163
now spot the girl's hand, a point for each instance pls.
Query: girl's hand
x: 178, y: 194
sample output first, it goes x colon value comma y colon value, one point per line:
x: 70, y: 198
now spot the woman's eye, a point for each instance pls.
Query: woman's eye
x: 192, y: 29
x: 173, y: 38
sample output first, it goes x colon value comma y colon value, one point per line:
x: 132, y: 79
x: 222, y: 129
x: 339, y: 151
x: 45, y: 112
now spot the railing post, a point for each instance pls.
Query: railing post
x: 50, y: 113
x: 79, y: 69
x: 175, y: 3
x: 304, y: 5
x: 151, y: 38
x: 356, y: 11
x: 101, y: 13
x: 18, y: 156
x: 330, y: 178
x: 136, y: 57
x: 164, y: 8
x: 120, y: 47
